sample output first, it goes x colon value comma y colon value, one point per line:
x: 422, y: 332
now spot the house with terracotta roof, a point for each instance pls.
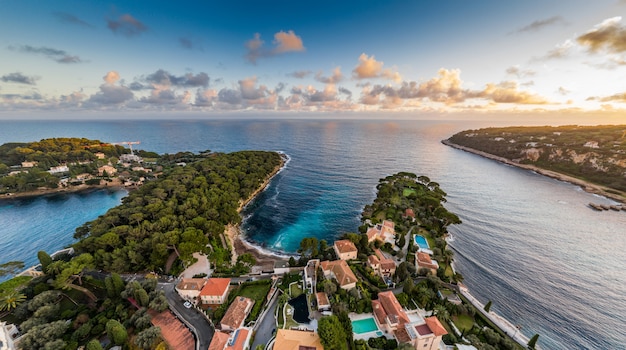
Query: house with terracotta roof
x: 425, y: 335
x: 408, y: 213
x: 388, y: 312
x: 236, y: 314
x: 387, y: 267
x: 214, y: 291
x: 323, y: 304
x: 339, y: 270
x: 422, y: 333
x: 237, y: 340
x: 384, y: 231
x: 189, y: 288
x: 288, y: 339
x: 345, y: 249
x: 423, y: 261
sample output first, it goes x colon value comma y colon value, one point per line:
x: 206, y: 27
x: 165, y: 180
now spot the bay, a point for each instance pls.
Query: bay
x: 527, y: 243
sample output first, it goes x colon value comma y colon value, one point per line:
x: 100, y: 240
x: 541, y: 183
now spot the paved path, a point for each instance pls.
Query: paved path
x: 264, y: 332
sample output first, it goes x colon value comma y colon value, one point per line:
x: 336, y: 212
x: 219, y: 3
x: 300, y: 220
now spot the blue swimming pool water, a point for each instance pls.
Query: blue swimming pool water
x: 364, y: 326
x: 421, y: 242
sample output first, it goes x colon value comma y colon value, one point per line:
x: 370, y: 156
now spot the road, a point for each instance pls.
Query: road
x: 203, y: 328
x: 268, y: 324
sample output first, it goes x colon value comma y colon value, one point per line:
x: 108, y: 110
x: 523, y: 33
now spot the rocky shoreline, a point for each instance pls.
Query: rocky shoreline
x: 586, y: 186
x: 233, y: 233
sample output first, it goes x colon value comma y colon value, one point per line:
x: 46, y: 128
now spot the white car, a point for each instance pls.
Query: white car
x: 187, y: 305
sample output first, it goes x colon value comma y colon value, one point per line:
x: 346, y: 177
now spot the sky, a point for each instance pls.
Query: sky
x: 412, y: 56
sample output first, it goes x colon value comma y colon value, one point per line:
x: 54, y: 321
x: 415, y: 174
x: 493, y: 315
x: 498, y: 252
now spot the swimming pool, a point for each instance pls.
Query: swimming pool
x: 421, y: 242
x: 364, y: 326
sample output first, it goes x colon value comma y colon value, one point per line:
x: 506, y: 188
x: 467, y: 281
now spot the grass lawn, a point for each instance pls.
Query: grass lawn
x: 256, y: 292
x: 449, y: 272
x: 408, y: 191
x: 295, y: 290
x: 463, y: 322
x: 289, y: 315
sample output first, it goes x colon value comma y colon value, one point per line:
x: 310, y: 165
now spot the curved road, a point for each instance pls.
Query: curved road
x: 199, y: 324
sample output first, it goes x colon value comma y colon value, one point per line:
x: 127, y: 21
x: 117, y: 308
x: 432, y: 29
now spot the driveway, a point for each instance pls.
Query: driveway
x: 268, y: 324
x: 191, y: 317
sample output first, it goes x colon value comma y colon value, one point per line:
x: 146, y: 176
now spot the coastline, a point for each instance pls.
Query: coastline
x: 233, y: 233
x: 586, y: 186
x: 113, y: 185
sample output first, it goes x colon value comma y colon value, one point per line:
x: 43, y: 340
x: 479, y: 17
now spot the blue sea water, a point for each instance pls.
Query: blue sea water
x: 528, y: 243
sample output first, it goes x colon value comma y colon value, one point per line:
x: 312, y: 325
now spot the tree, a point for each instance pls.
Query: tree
x: 93, y: 344
x: 487, y: 306
x: 533, y: 341
x: 116, y: 332
x: 159, y: 302
x: 146, y: 338
x: 331, y: 333
x: 44, y: 336
x: 10, y: 299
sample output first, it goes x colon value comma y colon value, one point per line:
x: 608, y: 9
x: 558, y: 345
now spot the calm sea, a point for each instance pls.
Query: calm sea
x: 528, y: 243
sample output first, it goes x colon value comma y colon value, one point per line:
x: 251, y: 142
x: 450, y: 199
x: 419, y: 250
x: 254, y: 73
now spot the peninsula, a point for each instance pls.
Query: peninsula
x: 592, y: 157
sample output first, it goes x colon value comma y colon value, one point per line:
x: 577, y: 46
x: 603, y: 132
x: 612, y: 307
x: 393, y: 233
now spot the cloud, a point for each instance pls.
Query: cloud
x: 164, y: 78
x: 111, y: 94
x: 19, y: 78
x: 71, y: 19
x: 333, y: 79
x: 608, y: 35
x: 445, y: 88
x: 126, y: 25
x: 508, y: 92
x: 520, y: 73
x: 563, y: 91
x: 540, y: 24
x: 59, y: 56
x: 229, y: 96
x: 301, y: 74
x: 620, y: 97
x: 205, y: 98
x: 165, y: 97
x: 346, y: 92
x: 190, y: 43
x: 560, y: 51
x: 287, y: 42
x: 368, y: 68
x: 283, y: 42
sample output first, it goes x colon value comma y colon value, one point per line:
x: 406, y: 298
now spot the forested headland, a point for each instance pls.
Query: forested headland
x: 183, y: 211
x: 594, y: 154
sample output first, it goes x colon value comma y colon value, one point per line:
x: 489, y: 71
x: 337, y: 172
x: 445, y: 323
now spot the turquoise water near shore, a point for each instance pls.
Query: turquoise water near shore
x: 524, y: 242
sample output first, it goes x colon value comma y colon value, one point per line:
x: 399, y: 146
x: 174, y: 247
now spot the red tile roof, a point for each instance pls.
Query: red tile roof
x: 409, y: 212
x: 322, y: 299
x: 345, y: 246
x: 435, y: 326
x: 341, y: 270
x: 373, y: 260
x: 237, y: 312
x: 392, y: 307
x: 175, y: 333
x: 240, y: 340
x: 219, y: 341
x: 191, y: 284
x: 215, y: 286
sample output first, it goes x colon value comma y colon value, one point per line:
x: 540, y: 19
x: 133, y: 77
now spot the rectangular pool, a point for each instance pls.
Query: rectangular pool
x: 421, y: 242
x: 364, y: 326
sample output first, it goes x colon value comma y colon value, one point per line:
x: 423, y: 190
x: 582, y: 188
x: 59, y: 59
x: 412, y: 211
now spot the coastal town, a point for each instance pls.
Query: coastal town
x: 391, y: 285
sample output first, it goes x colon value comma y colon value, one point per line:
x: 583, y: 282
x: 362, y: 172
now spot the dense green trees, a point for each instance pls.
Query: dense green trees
x: 181, y: 212
x: 332, y: 334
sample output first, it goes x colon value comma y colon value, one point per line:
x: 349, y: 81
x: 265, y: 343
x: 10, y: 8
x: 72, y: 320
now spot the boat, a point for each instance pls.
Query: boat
x: 595, y: 206
x: 614, y: 207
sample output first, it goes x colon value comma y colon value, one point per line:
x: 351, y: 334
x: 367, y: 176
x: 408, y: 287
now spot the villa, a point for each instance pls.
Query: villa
x: 345, y: 249
x: 323, y: 304
x: 423, y: 261
x: 383, y: 266
x: 339, y: 270
x: 214, y: 291
x: 383, y: 232
x: 287, y: 339
x: 236, y: 314
x: 190, y: 288
x: 422, y: 333
x: 238, y: 340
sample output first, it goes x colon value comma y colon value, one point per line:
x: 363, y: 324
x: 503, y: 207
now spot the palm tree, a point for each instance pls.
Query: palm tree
x: 9, y: 299
x: 441, y: 312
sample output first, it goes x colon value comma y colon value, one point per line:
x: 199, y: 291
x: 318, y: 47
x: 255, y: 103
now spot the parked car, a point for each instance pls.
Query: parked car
x: 187, y: 304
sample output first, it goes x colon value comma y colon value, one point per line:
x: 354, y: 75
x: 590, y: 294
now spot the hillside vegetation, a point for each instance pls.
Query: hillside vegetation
x: 596, y: 154
x: 182, y: 211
